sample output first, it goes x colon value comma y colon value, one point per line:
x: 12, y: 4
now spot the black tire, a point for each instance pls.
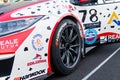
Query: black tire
x: 66, y: 47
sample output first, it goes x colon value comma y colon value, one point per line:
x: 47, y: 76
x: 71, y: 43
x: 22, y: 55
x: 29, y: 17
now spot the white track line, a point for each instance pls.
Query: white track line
x: 99, y: 66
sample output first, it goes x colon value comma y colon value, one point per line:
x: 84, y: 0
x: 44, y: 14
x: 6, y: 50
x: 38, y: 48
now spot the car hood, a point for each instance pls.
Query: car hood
x: 25, y: 9
x: 4, y: 8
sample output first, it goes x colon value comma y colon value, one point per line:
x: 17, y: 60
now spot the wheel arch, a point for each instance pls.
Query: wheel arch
x: 52, y: 35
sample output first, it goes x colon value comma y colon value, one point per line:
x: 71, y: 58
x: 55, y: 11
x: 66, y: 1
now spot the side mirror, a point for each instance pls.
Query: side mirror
x: 82, y: 2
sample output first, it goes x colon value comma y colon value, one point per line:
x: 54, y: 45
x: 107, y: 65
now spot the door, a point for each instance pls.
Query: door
x: 101, y: 21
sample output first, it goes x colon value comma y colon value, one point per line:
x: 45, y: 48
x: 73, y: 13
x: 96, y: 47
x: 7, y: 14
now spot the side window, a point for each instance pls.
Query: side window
x: 107, y: 1
x: 101, y: 1
x: 93, y: 2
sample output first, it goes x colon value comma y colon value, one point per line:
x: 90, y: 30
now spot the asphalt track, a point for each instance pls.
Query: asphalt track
x: 101, y: 63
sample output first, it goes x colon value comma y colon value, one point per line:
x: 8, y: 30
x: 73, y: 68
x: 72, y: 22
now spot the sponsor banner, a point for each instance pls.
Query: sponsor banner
x: 92, y: 25
x: 109, y: 37
x: 114, y: 38
x: 31, y: 75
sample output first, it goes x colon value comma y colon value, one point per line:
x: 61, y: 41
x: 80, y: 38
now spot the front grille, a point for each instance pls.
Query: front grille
x: 6, y: 67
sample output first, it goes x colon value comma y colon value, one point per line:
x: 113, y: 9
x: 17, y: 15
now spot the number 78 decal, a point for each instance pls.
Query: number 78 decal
x: 93, y: 15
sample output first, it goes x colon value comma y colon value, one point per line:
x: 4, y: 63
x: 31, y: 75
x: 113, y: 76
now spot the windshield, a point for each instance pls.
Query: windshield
x: 4, y: 3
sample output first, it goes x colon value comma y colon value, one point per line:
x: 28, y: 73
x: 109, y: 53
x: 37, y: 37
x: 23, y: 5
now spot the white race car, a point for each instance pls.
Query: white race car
x: 39, y: 37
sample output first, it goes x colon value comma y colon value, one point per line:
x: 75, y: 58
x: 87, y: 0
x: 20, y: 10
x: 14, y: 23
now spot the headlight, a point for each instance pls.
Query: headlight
x: 16, y: 25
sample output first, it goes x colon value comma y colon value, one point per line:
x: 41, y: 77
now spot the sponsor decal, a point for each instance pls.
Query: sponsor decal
x: 114, y: 18
x: 103, y: 39
x: 37, y: 43
x: 114, y: 37
x: 6, y: 44
x: 92, y: 25
x: 37, y: 60
x: 90, y: 36
x: 38, y: 56
x: 111, y: 37
x: 117, y: 22
x: 117, y: 36
x: 10, y: 43
x: 26, y: 77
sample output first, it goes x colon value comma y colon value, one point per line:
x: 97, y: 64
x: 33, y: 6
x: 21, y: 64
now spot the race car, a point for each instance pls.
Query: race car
x: 40, y: 37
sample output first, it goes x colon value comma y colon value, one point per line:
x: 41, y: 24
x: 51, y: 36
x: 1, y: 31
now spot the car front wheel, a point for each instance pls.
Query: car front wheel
x: 66, y: 47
